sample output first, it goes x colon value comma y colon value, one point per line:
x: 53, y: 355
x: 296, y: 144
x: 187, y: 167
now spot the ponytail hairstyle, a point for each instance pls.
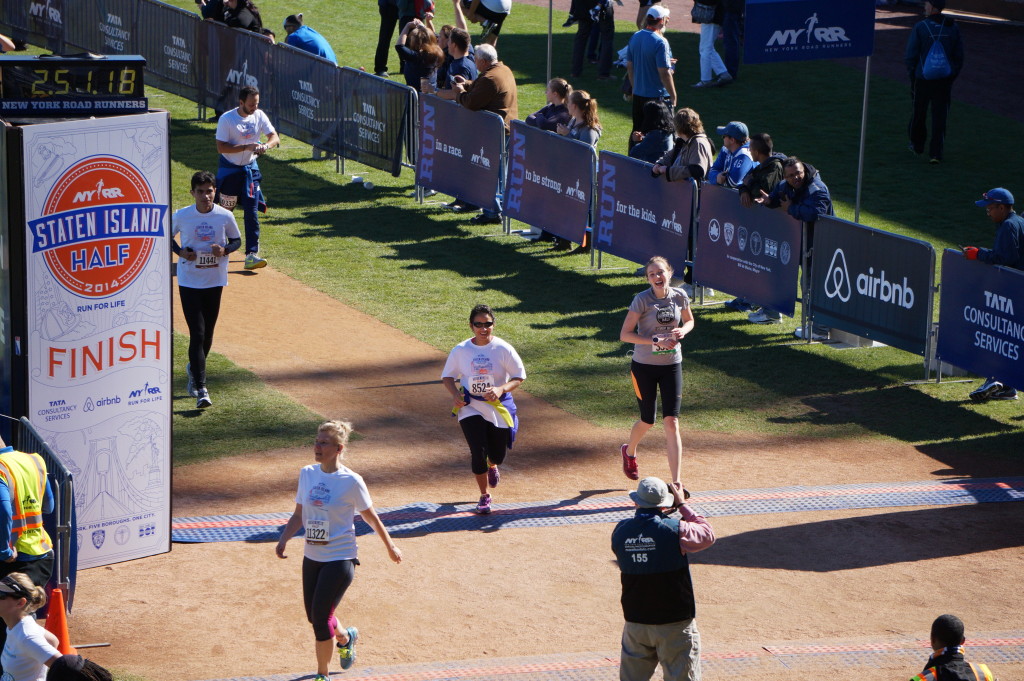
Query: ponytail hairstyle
x: 587, y: 105
x: 18, y: 584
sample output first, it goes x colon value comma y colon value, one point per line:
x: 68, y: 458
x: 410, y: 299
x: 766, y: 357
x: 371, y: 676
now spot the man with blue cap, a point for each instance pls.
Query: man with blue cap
x: 657, y: 593
x: 1008, y: 250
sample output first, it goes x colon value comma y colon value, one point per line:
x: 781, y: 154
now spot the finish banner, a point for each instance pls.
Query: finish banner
x: 872, y: 283
x: 639, y: 216
x: 375, y: 113
x: 104, y: 26
x: 234, y: 58
x: 99, y: 321
x: 752, y: 253
x: 168, y: 38
x: 550, y: 181
x: 306, y: 95
x: 460, y: 151
x: 981, y: 318
x: 797, y: 30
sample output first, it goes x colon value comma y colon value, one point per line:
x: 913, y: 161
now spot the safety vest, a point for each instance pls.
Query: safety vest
x: 25, y: 477
x: 981, y: 673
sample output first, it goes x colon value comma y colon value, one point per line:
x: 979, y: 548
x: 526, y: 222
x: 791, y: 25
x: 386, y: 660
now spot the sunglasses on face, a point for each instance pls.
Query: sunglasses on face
x: 4, y: 595
x: 483, y: 325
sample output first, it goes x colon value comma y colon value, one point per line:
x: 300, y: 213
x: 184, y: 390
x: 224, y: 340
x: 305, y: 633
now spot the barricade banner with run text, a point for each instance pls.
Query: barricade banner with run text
x: 168, y: 38
x: 550, y: 181
x: 872, y: 283
x: 103, y: 26
x: 981, y: 319
x: 99, y: 320
x: 306, y: 90
x: 794, y: 30
x: 374, y: 115
x: 752, y: 253
x: 638, y: 216
x: 460, y: 151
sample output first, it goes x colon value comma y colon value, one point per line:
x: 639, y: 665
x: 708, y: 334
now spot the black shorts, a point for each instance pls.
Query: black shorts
x: 648, y: 379
x: 496, y: 18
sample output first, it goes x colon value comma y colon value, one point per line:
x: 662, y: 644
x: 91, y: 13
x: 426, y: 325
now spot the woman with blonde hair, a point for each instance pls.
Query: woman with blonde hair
x: 328, y: 497
x: 556, y: 111
x: 657, y: 321
x: 30, y: 649
x: 584, y: 125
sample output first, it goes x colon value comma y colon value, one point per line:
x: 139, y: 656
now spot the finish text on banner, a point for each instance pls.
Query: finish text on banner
x: 306, y: 101
x: 639, y: 216
x: 374, y: 116
x: 795, y: 30
x: 981, y: 319
x: 460, y: 151
x: 872, y: 283
x: 550, y: 181
x: 99, y: 319
x: 753, y: 253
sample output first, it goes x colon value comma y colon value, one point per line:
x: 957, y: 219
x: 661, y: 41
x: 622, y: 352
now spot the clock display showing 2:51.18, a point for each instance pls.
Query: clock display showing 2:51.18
x: 99, y: 86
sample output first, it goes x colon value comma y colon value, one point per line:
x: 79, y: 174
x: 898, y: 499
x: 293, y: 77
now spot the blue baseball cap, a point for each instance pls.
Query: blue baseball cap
x: 735, y: 129
x: 997, y: 195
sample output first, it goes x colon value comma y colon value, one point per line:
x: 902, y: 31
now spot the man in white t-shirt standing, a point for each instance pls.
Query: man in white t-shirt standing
x: 208, y: 233
x: 239, y: 132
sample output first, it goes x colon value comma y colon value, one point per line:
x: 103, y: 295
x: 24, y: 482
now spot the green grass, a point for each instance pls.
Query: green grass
x: 420, y: 269
x: 247, y: 416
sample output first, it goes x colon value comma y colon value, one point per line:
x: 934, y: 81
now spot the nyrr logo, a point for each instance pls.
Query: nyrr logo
x: 839, y: 285
x: 99, y: 226
x: 236, y: 77
x: 45, y: 11
x: 811, y: 31
x: 672, y: 225
x: 576, y: 192
x: 480, y: 159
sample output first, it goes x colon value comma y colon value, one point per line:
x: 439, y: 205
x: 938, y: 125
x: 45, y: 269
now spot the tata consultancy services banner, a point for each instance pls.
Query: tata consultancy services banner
x: 792, y: 30
x: 981, y: 318
x: 753, y: 253
x: 639, y: 216
x: 99, y: 347
x: 550, y: 181
x: 872, y: 283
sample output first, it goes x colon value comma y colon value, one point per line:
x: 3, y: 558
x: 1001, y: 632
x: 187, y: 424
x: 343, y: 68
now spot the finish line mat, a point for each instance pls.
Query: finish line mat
x: 426, y: 518
x: 1005, y: 648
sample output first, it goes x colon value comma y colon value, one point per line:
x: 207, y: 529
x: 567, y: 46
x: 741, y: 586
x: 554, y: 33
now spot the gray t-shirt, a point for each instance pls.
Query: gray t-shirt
x: 658, y: 316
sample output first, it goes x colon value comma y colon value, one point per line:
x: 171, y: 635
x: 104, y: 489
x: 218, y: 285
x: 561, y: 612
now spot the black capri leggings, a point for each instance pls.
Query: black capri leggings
x: 200, y: 307
x: 486, y: 441
x: 323, y: 585
x: 648, y: 379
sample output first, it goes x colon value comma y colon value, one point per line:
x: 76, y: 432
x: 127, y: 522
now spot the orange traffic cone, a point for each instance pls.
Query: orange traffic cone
x: 57, y: 623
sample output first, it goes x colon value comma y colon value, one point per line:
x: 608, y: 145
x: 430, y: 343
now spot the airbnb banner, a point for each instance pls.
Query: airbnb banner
x: 872, y: 283
x: 99, y: 345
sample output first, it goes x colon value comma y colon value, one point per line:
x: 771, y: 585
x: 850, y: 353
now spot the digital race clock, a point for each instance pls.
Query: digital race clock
x: 86, y: 85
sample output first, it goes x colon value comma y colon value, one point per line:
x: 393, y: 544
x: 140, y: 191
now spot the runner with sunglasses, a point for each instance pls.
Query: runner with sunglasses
x: 29, y: 649
x: 488, y: 370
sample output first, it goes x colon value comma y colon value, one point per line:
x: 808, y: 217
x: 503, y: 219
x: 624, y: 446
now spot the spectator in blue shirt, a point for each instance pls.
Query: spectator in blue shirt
x: 306, y: 39
x: 733, y: 162
x: 650, y: 65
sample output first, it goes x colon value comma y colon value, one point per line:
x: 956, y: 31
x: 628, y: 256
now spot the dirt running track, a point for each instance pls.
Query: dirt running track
x: 208, y: 611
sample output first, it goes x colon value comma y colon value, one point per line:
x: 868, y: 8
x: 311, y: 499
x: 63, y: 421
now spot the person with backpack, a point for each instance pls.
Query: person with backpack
x: 934, y: 58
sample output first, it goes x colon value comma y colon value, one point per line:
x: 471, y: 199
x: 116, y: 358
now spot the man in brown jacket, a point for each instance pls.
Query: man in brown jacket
x: 493, y: 90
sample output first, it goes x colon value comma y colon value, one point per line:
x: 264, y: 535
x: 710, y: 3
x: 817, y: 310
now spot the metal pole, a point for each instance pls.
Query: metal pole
x: 551, y: 11
x: 863, y: 135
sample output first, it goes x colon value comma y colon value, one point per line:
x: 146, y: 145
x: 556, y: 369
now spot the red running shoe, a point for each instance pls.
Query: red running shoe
x: 629, y: 465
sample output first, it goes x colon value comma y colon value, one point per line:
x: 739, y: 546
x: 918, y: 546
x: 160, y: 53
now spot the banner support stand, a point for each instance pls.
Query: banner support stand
x: 863, y: 136
x: 551, y: 10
